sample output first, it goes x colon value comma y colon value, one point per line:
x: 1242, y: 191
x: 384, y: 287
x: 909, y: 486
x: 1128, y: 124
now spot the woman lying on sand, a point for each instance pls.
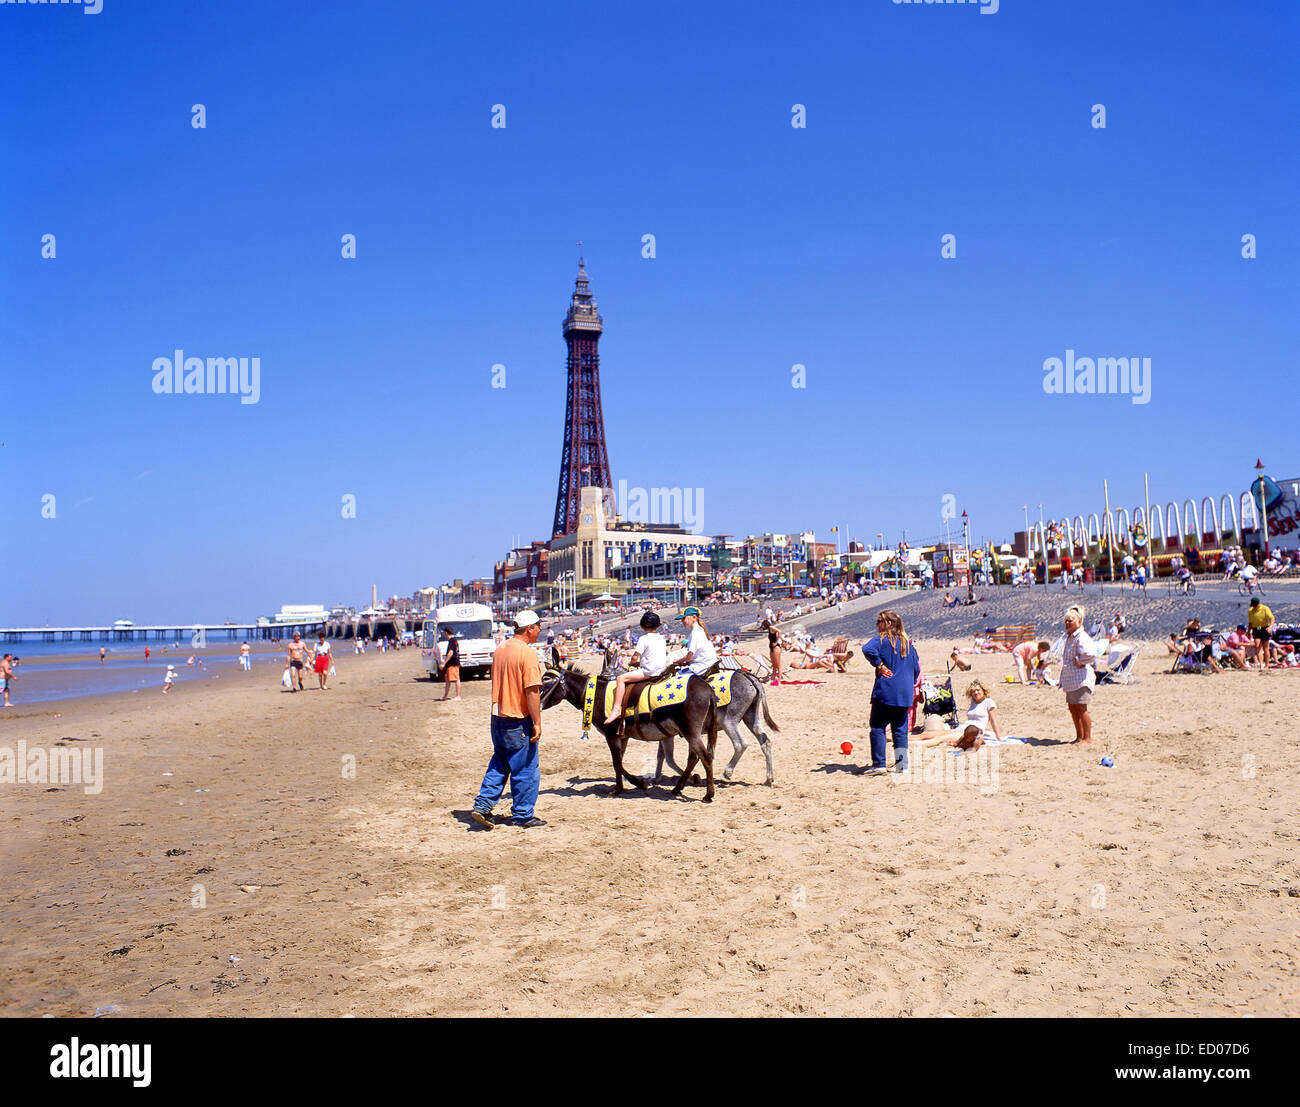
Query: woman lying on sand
x: 982, y: 715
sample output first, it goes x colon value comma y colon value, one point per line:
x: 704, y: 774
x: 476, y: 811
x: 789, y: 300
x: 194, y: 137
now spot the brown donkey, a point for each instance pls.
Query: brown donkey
x: 693, y: 720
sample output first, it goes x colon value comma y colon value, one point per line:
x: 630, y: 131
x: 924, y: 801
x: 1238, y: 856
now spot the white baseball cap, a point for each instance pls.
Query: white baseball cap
x: 526, y: 619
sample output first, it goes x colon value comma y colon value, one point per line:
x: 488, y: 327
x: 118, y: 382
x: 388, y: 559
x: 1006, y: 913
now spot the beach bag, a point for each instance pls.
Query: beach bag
x: 331, y: 672
x: 286, y: 681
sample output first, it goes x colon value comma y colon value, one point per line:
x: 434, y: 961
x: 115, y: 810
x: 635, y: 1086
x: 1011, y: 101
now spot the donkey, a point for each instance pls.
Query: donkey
x: 692, y: 719
x: 748, y: 698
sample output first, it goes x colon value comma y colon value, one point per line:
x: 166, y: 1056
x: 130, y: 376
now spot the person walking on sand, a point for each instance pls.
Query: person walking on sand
x: 516, y: 724
x: 451, y: 666
x: 102, y: 654
x: 6, y: 675
x: 297, y: 648
x: 169, y: 679
x: 245, y: 657
x: 1078, y: 673
x: 321, y: 661
x: 897, y: 671
x: 1261, y: 623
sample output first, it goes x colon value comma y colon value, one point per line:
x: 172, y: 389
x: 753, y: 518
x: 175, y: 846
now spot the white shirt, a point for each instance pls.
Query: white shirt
x: 1248, y: 571
x: 654, y: 653
x: 704, y: 655
x: 978, y: 715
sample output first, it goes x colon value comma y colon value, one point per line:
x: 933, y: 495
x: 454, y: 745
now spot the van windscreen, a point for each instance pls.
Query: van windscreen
x: 475, y: 628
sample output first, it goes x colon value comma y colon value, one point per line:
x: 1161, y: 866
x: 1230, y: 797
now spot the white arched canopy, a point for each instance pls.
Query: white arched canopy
x: 1173, y: 522
x: 1210, y: 518
x: 1228, y: 507
x: 1156, y: 517
x: 1248, y: 501
x: 1192, y: 518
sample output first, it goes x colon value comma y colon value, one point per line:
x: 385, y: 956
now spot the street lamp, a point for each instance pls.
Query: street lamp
x: 965, y: 530
x: 1263, y: 506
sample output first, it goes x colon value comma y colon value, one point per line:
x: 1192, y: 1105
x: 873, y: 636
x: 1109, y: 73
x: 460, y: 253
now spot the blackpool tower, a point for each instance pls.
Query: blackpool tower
x: 584, y: 461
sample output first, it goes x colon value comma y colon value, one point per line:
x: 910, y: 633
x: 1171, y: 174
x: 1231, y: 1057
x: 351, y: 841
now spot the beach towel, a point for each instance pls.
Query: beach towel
x: 996, y: 742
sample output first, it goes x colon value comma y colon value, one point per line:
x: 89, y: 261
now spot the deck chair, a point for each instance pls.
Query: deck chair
x: 1121, y: 670
x: 1190, y: 663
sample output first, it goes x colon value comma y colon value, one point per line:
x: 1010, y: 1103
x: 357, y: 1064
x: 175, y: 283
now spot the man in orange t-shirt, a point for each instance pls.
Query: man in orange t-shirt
x: 516, y: 727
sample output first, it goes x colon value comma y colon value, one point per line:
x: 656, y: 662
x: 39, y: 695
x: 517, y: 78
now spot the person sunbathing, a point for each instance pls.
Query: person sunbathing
x: 1198, y: 645
x: 1174, y: 643
x: 982, y: 716
x: 1239, y: 646
x: 812, y: 658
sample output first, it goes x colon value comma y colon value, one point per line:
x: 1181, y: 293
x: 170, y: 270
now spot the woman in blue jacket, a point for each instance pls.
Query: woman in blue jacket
x: 897, y: 671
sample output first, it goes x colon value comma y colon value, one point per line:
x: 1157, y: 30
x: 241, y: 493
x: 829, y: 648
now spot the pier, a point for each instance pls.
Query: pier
x: 385, y: 626
x: 173, y: 633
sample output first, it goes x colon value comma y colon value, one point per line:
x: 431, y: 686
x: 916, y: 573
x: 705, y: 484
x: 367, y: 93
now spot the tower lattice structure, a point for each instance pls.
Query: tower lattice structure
x: 584, y: 460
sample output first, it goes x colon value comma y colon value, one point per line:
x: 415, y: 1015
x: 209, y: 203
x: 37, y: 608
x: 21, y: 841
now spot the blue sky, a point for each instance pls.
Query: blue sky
x: 775, y: 246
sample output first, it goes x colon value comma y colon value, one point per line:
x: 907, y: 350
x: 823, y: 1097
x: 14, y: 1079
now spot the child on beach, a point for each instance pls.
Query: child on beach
x: 652, y: 658
x: 169, y: 679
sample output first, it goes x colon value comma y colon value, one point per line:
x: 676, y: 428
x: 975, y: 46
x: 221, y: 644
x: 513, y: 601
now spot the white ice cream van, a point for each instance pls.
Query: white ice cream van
x: 472, y: 625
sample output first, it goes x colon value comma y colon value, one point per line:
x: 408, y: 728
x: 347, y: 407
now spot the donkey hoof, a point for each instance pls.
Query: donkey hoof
x: 726, y: 774
x: 708, y: 799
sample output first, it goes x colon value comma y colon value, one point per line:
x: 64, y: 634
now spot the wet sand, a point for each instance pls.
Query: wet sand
x: 1168, y: 884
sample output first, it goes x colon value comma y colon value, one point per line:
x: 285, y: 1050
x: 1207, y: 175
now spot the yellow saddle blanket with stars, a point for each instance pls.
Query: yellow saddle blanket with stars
x: 652, y: 695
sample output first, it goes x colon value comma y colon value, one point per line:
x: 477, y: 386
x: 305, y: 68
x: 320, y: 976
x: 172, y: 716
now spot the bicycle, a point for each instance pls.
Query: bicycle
x: 1249, y: 587
x: 1182, y: 587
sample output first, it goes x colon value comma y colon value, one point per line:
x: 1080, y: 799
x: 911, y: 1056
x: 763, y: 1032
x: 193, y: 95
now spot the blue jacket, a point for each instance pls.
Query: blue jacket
x: 899, y: 689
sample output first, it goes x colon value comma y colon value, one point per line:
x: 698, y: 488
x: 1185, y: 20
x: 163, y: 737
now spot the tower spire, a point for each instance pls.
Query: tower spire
x: 584, y: 459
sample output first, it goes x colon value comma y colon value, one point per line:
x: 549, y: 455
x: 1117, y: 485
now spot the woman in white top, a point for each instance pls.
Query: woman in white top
x: 701, y: 655
x: 982, y: 713
x: 651, y: 658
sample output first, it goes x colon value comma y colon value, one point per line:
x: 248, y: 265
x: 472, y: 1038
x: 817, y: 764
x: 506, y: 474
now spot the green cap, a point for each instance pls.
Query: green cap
x: 690, y: 611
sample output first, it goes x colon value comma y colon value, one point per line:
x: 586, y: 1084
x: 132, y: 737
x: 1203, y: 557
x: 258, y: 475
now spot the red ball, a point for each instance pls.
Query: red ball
x: 846, y: 748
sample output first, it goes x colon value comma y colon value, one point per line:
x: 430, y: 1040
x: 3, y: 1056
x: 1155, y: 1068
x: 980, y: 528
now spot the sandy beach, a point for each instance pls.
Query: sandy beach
x: 232, y: 865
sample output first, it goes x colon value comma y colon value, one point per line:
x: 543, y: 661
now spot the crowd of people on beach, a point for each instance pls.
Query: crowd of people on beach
x: 1260, y: 643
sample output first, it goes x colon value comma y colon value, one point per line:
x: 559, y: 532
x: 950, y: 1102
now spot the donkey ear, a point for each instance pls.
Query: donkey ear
x: 556, y: 659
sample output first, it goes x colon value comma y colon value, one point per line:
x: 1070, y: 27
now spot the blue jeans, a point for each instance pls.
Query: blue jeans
x: 884, y: 716
x: 514, y: 758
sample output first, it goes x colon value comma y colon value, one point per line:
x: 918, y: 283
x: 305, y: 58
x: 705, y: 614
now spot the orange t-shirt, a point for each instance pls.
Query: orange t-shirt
x: 515, y: 669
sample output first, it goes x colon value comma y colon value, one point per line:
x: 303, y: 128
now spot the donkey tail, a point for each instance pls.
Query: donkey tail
x: 762, y: 699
